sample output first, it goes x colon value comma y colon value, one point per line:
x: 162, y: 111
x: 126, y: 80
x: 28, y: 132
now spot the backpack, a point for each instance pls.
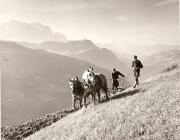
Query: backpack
x: 140, y: 64
x: 137, y: 64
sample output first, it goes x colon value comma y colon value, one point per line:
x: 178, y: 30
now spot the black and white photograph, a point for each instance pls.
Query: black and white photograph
x: 90, y: 69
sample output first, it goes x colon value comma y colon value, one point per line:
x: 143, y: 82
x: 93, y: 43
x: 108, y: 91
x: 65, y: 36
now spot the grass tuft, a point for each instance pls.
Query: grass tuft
x: 170, y: 68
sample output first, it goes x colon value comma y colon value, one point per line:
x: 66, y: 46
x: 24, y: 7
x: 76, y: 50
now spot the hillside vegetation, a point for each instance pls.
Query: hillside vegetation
x: 150, y: 112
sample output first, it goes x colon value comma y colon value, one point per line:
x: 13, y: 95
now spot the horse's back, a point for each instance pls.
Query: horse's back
x: 103, y: 82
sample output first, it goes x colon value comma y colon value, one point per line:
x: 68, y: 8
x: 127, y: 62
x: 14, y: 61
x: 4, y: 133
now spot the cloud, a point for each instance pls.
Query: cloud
x: 122, y: 18
x: 165, y: 2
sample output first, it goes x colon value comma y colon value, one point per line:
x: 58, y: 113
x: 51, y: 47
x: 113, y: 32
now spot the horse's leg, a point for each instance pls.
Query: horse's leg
x: 94, y: 97
x: 74, y: 102
x: 99, y: 96
x: 80, y: 101
x: 106, y: 93
x: 107, y: 97
x: 85, y: 96
x: 85, y: 102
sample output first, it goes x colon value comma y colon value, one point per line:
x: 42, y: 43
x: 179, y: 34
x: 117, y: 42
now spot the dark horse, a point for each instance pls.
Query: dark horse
x: 79, y: 92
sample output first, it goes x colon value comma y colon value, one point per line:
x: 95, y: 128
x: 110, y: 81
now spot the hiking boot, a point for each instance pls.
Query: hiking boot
x: 134, y: 86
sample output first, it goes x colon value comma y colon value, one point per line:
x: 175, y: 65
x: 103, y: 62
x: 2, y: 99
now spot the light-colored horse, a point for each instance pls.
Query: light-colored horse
x: 88, y: 77
x: 96, y: 81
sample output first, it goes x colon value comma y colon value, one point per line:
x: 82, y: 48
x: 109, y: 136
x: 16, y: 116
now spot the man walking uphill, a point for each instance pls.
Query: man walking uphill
x: 136, y: 65
x: 115, y: 76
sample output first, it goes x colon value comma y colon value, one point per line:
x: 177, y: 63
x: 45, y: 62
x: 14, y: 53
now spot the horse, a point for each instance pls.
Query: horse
x: 96, y: 81
x: 79, y: 92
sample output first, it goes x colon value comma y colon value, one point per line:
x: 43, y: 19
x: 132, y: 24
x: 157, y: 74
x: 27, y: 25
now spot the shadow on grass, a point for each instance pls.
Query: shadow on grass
x: 122, y: 95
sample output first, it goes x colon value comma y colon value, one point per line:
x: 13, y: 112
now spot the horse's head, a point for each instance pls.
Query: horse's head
x: 90, y: 76
x: 74, y: 84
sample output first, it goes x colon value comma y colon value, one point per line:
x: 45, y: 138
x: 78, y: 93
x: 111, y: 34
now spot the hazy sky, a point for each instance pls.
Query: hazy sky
x: 103, y: 21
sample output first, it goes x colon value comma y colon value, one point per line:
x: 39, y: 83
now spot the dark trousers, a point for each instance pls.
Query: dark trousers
x: 115, y: 84
x: 136, y: 75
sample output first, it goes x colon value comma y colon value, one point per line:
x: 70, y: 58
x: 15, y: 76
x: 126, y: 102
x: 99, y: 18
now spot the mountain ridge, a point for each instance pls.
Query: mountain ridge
x: 84, y: 50
x: 31, y: 32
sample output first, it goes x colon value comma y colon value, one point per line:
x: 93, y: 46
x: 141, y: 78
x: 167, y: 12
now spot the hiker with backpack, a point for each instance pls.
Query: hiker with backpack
x: 136, y: 65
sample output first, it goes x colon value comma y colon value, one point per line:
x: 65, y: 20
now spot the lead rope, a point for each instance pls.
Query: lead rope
x: 124, y: 79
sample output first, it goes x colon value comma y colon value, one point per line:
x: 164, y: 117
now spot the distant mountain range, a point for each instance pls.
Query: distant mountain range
x: 128, y: 49
x: 39, y: 36
x: 84, y: 50
x: 30, y: 32
x: 35, y: 82
x: 160, y: 60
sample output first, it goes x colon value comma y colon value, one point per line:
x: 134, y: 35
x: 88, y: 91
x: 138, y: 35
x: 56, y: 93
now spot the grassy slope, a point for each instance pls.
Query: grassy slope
x: 153, y: 112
